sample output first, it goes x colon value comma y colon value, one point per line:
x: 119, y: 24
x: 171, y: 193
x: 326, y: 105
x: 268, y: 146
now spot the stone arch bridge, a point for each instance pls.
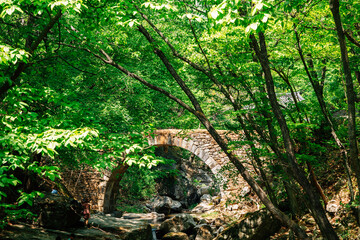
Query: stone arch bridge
x: 102, y: 188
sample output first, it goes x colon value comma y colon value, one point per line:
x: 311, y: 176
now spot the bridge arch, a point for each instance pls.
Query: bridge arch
x: 103, y: 188
x: 198, y: 142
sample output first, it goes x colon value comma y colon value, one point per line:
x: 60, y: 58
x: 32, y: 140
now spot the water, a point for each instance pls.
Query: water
x: 154, y: 234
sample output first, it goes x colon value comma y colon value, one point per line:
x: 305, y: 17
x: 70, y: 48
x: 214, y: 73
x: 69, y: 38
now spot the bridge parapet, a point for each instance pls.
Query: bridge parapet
x: 199, y: 142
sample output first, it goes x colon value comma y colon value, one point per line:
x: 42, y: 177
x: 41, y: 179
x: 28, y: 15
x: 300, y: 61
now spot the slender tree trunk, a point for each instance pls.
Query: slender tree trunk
x: 357, y: 75
x: 197, y: 111
x: 206, y: 123
x: 314, y: 201
x: 353, y: 145
x: 319, y: 95
x: 316, y: 183
x: 293, y: 95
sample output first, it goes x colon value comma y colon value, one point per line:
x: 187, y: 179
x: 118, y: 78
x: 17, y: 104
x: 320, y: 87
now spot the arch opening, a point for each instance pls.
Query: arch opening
x: 192, y: 180
x: 198, y: 142
x: 184, y: 178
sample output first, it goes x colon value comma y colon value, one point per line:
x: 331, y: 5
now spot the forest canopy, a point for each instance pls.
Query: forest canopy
x: 79, y: 76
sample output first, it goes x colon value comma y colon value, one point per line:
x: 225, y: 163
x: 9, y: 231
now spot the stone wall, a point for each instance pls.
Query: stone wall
x: 87, y: 183
x: 199, y: 142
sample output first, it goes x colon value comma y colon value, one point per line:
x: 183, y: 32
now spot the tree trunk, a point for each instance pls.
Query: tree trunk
x: 206, y: 123
x: 353, y: 145
x: 295, y: 207
x: 314, y: 200
x: 318, y: 89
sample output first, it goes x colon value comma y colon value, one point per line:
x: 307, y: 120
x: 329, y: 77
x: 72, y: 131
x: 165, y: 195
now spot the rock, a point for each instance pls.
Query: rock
x: 203, y: 190
x: 144, y: 233
x: 191, y: 176
x: 218, y: 222
x: 175, y: 236
x: 57, y: 212
x: 153, y: 216
x: 175, y: 207
x: 219, y: 230
x: 203, y: 232
x: 132, y: 215
x: 164, y: 204
x: 245, y: 191
x: 202, y: 221
x: 332, y: 206
x: 103, y: 228
x: 27, y: 232
x: 203, y: 207
x: 180, y: 223
x: 257, y: 225
x: 118, y: 214
x: 205, y: 198
x: 126, y: 229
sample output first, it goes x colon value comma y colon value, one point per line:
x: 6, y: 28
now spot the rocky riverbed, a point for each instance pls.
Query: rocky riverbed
x: 128, y: 227
x: 167, y: 215
x: 206, y: 221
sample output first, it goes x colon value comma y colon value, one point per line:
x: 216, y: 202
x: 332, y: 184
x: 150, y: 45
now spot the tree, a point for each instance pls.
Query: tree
x: 217, y: 60
x: 43, y: 118
x: 212, y: 66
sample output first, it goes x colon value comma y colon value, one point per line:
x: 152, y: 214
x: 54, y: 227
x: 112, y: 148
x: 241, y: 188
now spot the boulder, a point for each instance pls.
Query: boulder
x: 57, y: 212
x: 104, y: 227
x: 143, y: 233
x: 257, y: 225
x: 194, y: 178
x: 149, y: 217
x: 117, y: 214
x: 204, y: 190
x: 175, y: 236
x: 164, y: 204
x: 204, y: 206
x: 206, y: 198
x: 332, y: 207
x: 201, y: 221
x: 126, y: 229
x: 203, y: 232
x: 245, y: 191
x: 180, y: 223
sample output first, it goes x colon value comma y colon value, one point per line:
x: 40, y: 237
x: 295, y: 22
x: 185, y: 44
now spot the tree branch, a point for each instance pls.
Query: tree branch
x: 71, y: 65
x: 22, y: 65
x: 351, y: 38
x: 166, y: 40
x: 171, y: 70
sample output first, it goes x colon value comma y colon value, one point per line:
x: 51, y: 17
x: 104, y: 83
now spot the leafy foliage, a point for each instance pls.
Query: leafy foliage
x: 64, y: 94
x: 139, y: 183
